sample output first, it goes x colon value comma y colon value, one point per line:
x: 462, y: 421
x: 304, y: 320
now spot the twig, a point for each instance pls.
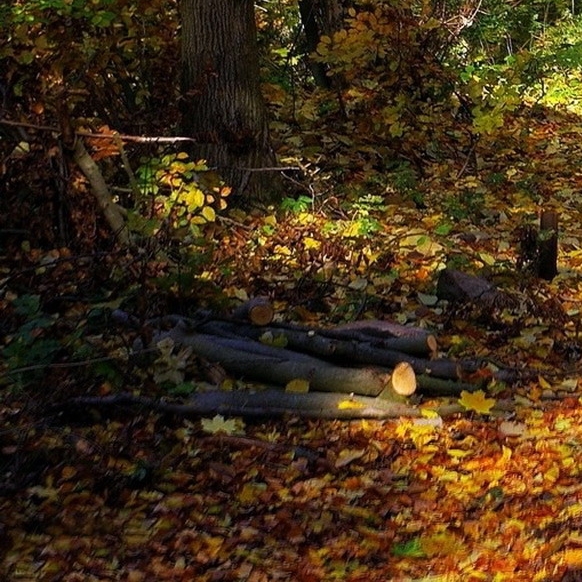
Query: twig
x: 141, y: 139
x: 467, y: 160
x: 70, y: 364
x: 112, y: 136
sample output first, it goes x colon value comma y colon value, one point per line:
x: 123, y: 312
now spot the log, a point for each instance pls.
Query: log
x: 358, y: 348
x: 256, y: 361
x: 381, y: 328
x: 434, y: 376
x: 265, y: 404
x: 387, y: 335
x: 358, y: 352
x: 308, y: 340
x: 439, y: 387
x: 457, y: 286
x: 381, y: 334
x: 402, y: 381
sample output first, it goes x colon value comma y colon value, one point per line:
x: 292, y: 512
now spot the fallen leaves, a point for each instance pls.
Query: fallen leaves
x: 370, y: 500
x: 487, y: 496
x: 346, y: 456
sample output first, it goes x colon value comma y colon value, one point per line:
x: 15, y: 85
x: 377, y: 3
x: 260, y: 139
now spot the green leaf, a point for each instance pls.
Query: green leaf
x: 182, y: 389
x: 410, y: 549
x: 443, y: 229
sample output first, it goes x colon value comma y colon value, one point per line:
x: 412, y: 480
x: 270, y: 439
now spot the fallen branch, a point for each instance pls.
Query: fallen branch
x: 411, y: 340
x: 112, y: 212
x: 111, y: 136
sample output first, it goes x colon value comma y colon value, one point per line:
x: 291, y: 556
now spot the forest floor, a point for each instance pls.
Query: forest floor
x: 139, y: 496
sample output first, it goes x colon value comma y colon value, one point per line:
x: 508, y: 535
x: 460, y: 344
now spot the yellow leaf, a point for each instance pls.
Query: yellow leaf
x: 311, y: 243
x: 570, y: 384
x: 283, y: 250
x: 487, y: 259
x: 237, y: 293
x: 476, y: 401
x: 347, y: 404
x: 458, y: 453
x: 552, y: 474
x: 352, y: 229
x: 193, y: 197
x: 208, y: 213
x: 429, y: 413
x: 299, y: 385
x: 219, y: 424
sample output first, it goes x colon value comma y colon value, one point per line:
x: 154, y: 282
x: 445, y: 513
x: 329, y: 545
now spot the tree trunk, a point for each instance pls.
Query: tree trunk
x: 222, y: 105
x: 312, y: 36
x: 330, y: 14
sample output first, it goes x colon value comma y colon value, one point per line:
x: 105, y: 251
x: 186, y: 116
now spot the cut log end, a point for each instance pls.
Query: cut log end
x: 403, y: 379
x: 258, y: 311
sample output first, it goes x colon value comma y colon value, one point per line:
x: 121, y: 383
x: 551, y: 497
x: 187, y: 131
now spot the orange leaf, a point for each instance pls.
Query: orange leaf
x: 572, y: 557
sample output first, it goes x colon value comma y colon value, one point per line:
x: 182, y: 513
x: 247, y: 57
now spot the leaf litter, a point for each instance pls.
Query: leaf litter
x: 477, y: 496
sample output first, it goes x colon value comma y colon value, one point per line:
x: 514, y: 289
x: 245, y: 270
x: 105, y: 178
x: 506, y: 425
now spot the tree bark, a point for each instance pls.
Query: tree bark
x: 222, y: 105
x: 307, y: 10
